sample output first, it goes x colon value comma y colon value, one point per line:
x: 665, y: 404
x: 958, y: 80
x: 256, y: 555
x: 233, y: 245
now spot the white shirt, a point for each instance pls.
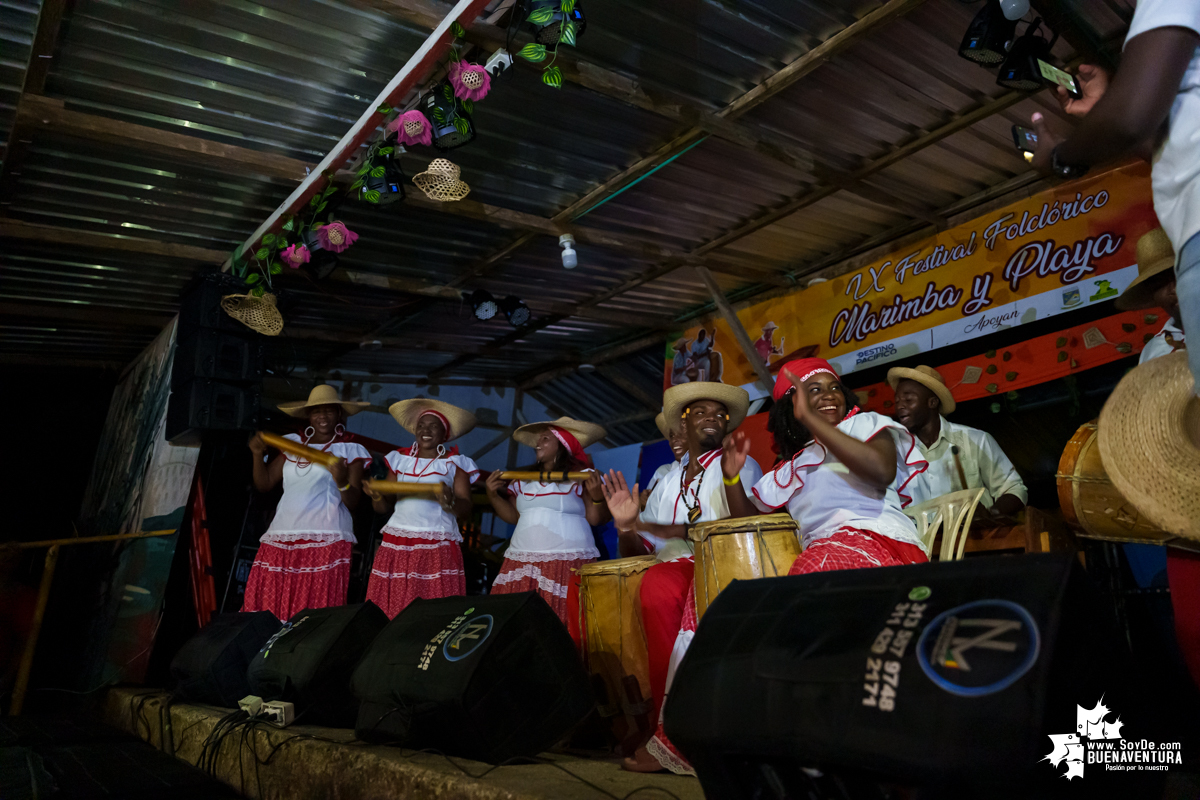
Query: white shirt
x: 658, y: 475
x: 419, y: 517
x: 311, y: 506
x: 1176, y: 173
x: 667, y: 505
x: 553, y: 524
x: 984, y: 465
x: 1159, y: 346
x: 823, y: 495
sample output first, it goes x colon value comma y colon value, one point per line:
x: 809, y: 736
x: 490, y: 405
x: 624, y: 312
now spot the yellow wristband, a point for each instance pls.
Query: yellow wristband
x: 734, y: 481
x: 343, y: 488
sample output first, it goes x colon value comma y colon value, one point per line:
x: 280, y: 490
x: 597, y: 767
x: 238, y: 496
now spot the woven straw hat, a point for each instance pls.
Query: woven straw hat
x: 586, y: 432
x: 661, y: 422
x: 928, y: 377
x: 1154, y: 255
x: 322, y: 395
x: 440, y: 181
x: 735, y: 398
x: 407, y: 412
x: 1146, y: 434
x: 256, y: 313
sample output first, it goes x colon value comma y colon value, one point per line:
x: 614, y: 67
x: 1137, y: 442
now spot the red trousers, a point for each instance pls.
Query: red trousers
x: 664, y: 593
x: 1183, y: 576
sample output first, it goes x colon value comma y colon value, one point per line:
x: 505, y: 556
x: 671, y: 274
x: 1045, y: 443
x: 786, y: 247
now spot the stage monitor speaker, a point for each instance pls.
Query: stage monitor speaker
x: 943, y: 674
x: 211, y: 666
x: 217, y: 355
x: 202, y: 405
x: 309, y: 661
x: 488, y: 678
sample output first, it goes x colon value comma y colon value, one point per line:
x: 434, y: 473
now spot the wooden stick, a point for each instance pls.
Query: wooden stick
x: 35, y: 628
x: 396, y: 487
x: 117, y: 537
x: 962, y: 476
x: 326, y: 460
x: 544, y: 477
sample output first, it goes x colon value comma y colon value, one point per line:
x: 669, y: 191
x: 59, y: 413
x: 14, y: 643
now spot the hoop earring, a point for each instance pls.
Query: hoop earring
x: 309, y: 432
x: 339, y: 429
x: 441, y: 450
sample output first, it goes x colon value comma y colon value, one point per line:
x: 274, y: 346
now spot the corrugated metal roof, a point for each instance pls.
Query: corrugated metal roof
x: 289, y: 77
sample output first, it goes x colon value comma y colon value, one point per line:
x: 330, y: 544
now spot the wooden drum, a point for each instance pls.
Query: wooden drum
x: 1089, y: 500
x: 741, y: 549
x: 610, y: 612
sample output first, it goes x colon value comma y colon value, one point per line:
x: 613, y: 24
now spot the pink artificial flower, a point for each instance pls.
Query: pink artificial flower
x: 470, y: 81
x: 411, y: 127
x: 335, y: 237
x: 295, y: 255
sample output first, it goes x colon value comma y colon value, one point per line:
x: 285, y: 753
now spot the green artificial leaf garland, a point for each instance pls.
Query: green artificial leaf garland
x: 462, y: 126
x: 567, y: 6
x: 533, y: 52
x: 552, y: 77
x: 458, y: 31
x: 567, y: 34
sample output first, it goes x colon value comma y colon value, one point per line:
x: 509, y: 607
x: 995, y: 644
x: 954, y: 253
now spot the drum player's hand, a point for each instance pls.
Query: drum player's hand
x: 257, y: 446
x: 734, y: 452
x: 494, y: 483
x: 622, y: 501
x: 340, y: 472
x: 594, y: 487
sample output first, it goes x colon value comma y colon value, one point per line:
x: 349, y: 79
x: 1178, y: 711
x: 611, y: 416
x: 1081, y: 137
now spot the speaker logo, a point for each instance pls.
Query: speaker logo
x: 979, y: 648
x: 468, y: 637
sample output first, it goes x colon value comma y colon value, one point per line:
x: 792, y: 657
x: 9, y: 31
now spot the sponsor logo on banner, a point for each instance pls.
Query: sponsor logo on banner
x: 979, y: 648
x: 1097, y: 741
x: 1060, y: 250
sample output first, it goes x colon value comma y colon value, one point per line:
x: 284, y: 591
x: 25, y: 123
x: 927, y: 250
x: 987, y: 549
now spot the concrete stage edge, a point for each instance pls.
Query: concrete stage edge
x: 345, y: 770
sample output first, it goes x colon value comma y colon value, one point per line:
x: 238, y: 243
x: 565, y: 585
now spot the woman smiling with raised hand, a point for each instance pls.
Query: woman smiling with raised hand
x: 842, y: 474
x: 420, y: 554
x: 303, y: 560
x: 554, y: 520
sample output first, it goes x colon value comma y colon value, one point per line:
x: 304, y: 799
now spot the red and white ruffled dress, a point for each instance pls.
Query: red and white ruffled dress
x: 845, y: 522
x: 303, y: 559
x: 551, y: 538
x: 420, y: 554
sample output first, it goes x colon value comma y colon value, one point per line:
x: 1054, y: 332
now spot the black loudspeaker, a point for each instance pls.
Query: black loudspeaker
x: 211, y: 666
x: 309, y: 661
x: 488, y: 678
x: 217, y: 367
x: 936, y: 675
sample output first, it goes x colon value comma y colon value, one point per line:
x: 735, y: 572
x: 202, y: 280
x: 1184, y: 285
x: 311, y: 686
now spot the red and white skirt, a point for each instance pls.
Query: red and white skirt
x: 855, y: 548
x: 407, y: 567
x: 550, y: 579
x: 288, y: 577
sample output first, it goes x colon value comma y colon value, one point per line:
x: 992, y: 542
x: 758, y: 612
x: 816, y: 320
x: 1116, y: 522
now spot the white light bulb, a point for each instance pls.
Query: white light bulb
x: 569, y: 258
x: 1014, y: 9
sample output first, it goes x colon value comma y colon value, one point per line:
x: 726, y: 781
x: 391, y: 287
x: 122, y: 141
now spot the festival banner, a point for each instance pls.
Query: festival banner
x: 1057, y: 251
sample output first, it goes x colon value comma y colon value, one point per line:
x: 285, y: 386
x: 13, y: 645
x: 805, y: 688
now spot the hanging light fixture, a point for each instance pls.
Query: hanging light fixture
x: 1020, y: 69
x: 321, y: 262
x: 515, y: 310
x: 451, y: 121
x: 483, y: 304
x: 384, y: 182
x: 570, y: 258
x: 548, y: 18
x: 988, y: 35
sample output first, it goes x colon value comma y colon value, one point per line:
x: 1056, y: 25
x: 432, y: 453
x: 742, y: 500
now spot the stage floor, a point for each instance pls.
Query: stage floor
x: 306, y: 761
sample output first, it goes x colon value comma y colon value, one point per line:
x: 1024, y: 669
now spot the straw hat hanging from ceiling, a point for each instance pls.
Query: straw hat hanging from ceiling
x: 440, y: 181
x: 256, y: 313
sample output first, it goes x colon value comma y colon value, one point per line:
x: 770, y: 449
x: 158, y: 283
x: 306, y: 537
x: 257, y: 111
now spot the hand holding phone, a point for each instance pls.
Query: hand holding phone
x: 1060, y: 77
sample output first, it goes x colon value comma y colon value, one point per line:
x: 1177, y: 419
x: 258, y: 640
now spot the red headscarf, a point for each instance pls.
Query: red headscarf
x: 799, y: 371
x: 440, y: 417
x: 568, y: 440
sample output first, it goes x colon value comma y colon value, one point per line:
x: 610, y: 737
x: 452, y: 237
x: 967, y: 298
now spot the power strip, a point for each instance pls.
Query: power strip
x: 278, y: 712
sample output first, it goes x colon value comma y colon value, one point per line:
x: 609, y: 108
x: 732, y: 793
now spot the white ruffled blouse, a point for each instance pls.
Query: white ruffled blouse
x: 311, y: 506
x: 553, y: 524
x: 419, y: 517
x: 823, y: 495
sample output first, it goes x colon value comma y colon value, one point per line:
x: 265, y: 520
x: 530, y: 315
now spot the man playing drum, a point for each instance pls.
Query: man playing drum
x: 922, y: 400
x: 692, y: 491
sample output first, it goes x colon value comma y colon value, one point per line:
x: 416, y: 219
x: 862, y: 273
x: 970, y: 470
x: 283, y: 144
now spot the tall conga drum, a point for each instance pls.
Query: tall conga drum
x: 741, y: 549
x: 1089, y: 500
x: 614, y: 645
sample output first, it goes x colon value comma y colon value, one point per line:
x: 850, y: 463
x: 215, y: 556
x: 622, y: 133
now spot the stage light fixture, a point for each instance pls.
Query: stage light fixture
x: 570, y: 258
x: 1020, y: 69
x: 452, y: 124
x: 515, y: 310
x: 988, y: 36
x: 548, y: 18
x: 321, y: 261
x: 384, y: 182
x: 483, y: 304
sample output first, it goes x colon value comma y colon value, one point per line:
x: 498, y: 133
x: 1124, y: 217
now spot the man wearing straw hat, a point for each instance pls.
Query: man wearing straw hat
x: 678, y: 444
x: 960, y: 457
x: 1154, y: 287
x: 688, y: 494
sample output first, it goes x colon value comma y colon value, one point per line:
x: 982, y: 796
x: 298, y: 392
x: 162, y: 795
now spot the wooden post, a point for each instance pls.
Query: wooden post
x: 39, y: 613
x: 739, y: 333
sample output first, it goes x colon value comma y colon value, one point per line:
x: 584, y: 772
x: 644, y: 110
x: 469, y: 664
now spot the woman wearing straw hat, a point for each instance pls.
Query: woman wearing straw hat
x: 303, y: 560
x: 842, y: 473
x: 553, y: 534
x: 420, y: 554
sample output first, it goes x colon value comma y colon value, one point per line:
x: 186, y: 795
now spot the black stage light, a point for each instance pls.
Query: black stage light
x: 987, y: 37
x: 1020, y: 69
x: 515, y: 309
x: 451, y: 122
x: 483, y: 304
x: 384, y: 182
x: 321, y: 262
x: 548, y: 18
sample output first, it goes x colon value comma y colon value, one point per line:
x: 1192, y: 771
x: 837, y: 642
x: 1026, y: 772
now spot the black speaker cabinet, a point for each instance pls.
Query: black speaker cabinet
x: 211, y: 666
x: 201, y: 405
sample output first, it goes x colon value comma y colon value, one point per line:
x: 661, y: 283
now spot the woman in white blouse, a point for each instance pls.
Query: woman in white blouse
x: 842, y: 474
x: 420, y: 554
x: 553, y: 520
x: 303, y: 559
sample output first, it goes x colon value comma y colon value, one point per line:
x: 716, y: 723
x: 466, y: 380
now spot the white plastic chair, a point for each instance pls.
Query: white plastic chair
x: 952, y: 513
